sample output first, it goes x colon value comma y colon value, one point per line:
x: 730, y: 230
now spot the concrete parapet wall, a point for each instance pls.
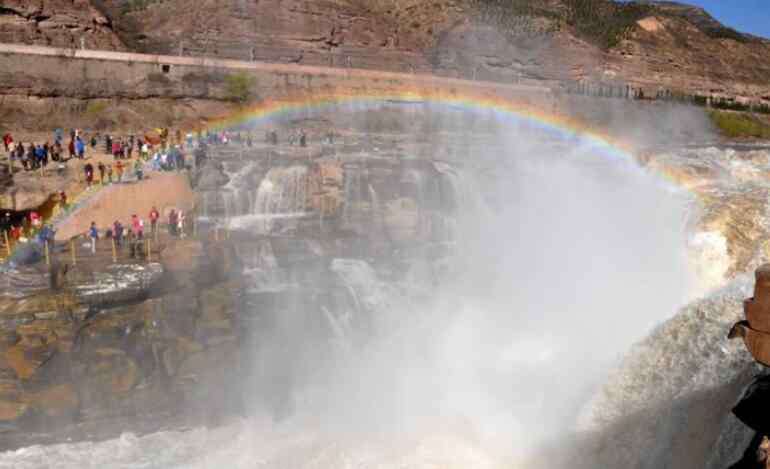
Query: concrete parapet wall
x: 87, y: 74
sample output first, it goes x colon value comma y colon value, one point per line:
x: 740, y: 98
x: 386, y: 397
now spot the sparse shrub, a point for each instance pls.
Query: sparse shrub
x: 739, y: 125
x: 604, y: 22
x: 95, y: 108
x: 601, y: 22
x: 131, y: 6
x: 239, y: 87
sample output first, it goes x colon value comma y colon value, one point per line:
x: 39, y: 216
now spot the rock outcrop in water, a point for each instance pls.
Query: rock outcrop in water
x: 128, y: 346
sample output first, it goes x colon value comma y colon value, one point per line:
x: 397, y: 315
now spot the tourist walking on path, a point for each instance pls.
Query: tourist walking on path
x: 109, y: 173
x: 173, y: 220
x: 117, y: 233
x: 93, y: 233
x: 154, y: 216
x: 102, y: 170
x: 180, y: 224
x: 137, y: 226
x: 71, y: 149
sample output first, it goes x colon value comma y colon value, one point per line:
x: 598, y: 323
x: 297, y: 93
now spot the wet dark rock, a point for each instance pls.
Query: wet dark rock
x: 116, y: 283
x: 211, y: 177
x: 752, y: 409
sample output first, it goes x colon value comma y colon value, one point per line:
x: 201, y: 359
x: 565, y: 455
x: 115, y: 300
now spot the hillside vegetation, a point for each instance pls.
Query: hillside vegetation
x: 734, y: 124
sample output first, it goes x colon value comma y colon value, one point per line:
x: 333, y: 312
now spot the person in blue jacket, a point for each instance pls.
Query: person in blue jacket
x: 80, y: 148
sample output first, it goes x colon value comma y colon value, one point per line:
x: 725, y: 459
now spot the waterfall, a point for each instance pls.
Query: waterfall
x: 282, y: 194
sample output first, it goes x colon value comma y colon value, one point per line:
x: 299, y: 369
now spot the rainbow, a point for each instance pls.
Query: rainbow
x: 561, y: 126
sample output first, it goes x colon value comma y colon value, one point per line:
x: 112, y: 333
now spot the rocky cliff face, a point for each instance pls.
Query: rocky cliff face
x: 59, y: 23
x: 126, y: 346
x: 664, y: 48
x: 667, y: 46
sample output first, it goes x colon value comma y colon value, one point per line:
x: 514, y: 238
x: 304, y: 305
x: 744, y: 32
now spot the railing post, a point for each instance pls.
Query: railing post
x: 7, y: 243
x: 114, y: 251
x: 149, y: 250
x: 73, y: 252
x: 47, y: 253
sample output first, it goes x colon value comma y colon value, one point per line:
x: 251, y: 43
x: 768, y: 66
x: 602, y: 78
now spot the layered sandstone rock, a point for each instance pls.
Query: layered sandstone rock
x: 59, y: 23
x: 117, y: 348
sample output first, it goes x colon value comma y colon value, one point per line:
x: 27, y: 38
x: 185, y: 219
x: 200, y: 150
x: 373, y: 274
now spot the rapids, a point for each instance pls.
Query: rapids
x: 559, y: 257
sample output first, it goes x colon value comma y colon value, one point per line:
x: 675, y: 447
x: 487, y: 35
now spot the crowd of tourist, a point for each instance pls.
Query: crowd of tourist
x: 132, y: 234
x: 131, y: 155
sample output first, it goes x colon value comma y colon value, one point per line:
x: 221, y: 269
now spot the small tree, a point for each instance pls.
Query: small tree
x: 238, y: 87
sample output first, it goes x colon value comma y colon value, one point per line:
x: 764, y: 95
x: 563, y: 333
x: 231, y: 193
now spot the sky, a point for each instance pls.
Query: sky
x: 748, y: 16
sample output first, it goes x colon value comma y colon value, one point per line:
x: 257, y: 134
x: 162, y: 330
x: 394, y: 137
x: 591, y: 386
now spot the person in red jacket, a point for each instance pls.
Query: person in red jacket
x: 154, y: 216
x: 7, y: 141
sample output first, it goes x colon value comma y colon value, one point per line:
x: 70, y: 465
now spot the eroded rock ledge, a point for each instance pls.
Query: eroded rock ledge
x: 129, y: 347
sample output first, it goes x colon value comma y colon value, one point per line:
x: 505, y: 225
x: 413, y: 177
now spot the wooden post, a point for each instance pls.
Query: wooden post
x: 149, y: 250
x: 114, y: 251
x: 74, y: 254
x: 7, y: 243
x: 47, y: 254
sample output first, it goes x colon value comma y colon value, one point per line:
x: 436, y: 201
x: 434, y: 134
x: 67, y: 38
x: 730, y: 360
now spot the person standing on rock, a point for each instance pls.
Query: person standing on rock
x: 180, y: 224
x: 5, y: 223
x: 39, y: 157
x: 7, y: 141
x: 93, y: 234
x: 173, y: 220
x: 119, y: 167
x: 71, y: 149
x: 102, y: 170
x: 117, y: 233
x: 31, y: 157
x: 23, y: 156
x: 138, y: 170
x: 137, y: 226
x: 109, y: 173
x: 154, y: 217
x: 88, y: 169
x: 56, y: 152
x: 80, y: 147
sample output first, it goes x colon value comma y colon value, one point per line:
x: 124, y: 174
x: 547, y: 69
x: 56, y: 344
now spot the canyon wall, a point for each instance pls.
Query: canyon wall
x: 42, y: 83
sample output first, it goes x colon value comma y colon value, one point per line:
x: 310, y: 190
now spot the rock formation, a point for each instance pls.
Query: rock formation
x: 125, y: 344
x: 671, y: 48
x: 59, y: 23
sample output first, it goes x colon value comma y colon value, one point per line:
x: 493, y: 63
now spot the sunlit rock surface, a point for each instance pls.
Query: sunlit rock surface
x: 730, y: 233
